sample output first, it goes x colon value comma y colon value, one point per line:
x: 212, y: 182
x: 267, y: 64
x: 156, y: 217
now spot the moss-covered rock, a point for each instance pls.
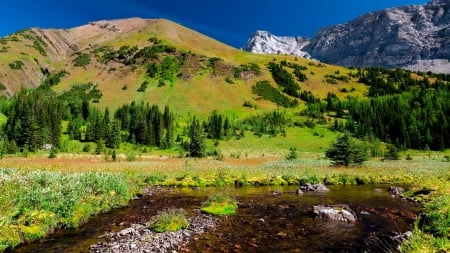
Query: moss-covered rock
x: 220, y: 204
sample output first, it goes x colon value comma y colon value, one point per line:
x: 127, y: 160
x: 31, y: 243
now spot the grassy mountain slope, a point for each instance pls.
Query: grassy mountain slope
x: 202, y: 90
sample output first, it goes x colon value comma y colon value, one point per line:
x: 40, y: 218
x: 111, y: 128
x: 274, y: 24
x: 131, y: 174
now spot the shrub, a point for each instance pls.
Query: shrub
x: 82, y: 60
x: 52, y: 153
x: 16, y: 65
x: 130, y: 157
x: 143, y: 86
x: 292, y: 154
x: 169, y: 220
x: 228, y: 80
x: 437, y: 219
x: 220, y: 204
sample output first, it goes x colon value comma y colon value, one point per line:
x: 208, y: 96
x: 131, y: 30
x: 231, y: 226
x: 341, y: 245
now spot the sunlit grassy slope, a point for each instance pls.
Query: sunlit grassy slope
x: 202, y: 93
x: 198, y: 94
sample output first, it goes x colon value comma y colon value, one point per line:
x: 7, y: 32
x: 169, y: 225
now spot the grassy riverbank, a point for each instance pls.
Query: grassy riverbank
x: 39, y: 197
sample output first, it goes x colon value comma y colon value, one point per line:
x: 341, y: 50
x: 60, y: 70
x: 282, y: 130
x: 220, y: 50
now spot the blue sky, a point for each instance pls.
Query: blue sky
x: 230, y: 21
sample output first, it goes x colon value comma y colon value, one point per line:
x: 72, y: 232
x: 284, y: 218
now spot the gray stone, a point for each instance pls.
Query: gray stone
x: 335, y: 213
x: 314, y: 188
x: 395, y: 191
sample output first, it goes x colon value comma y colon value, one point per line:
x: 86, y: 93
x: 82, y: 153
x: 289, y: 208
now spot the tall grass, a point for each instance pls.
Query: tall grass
x: 33, y: 203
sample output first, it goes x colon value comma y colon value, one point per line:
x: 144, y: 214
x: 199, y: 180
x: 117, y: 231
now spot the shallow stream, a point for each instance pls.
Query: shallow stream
x: 265, y: 222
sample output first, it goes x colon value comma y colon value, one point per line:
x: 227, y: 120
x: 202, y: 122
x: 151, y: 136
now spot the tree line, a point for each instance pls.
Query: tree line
x: 402, y: 109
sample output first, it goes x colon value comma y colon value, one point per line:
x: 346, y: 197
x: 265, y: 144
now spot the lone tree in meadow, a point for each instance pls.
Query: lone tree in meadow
x: 346, y: 151
x: 197, y: 143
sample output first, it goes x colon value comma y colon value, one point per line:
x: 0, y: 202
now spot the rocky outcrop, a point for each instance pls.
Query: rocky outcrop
x: 415, y: 37
x: 264, y: 42
x: 335, y: 213
x: 313, y: 188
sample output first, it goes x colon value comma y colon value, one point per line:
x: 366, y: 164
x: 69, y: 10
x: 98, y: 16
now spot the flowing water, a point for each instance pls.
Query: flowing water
x: 265, y: 222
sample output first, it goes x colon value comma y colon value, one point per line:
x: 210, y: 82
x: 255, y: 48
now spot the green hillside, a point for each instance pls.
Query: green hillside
x: 199, y: 87
x: 105, y: 79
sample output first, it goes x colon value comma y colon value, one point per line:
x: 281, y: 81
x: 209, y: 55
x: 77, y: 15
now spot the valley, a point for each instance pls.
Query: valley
x: 93, y: 115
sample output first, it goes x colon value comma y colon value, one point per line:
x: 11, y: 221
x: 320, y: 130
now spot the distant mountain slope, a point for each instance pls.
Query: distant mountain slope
x: 47, y: 49
x: 415, y: 37
x: 119, y: 58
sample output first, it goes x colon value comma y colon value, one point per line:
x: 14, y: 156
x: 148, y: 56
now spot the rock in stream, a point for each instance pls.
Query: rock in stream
x: 335, y: 213
x: 138, y: 238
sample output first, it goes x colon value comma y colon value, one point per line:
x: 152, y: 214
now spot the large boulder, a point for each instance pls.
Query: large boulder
x: 341, y: 213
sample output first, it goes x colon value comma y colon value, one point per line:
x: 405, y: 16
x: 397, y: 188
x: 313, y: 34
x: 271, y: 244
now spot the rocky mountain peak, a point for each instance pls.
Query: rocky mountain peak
x: 415, y: 37
x: 264, y: 42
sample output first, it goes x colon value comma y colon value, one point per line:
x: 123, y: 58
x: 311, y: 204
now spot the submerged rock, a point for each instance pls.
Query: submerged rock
x: 277, y: 192
x: 395, y: 191
x: 314, y: 188
x: 335, y: 213
x: 400, y: 238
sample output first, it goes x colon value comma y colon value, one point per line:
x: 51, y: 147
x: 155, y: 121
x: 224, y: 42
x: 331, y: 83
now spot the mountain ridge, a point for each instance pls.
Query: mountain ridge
x: 114, y: 57
x: 40, y: 50
x: 416, y: 37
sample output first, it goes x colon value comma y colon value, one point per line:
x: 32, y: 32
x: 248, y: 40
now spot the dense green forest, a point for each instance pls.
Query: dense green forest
x: 406, y: 109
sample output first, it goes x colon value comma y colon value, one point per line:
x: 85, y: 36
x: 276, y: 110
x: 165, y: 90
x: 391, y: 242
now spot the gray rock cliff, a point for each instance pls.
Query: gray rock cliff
x: 264, y: 42
x: 416, y: 37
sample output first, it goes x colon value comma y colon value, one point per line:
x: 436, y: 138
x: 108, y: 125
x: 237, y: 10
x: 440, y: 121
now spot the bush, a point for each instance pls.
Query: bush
x: 292, y: 154
x: 228, y: 80
x: 82, y: 60
x: 169, y: 220
x: 143, y: 86
x: 16, y: 65
x: 220, y: 204
x: 52, y: 153
x: 437, y: 219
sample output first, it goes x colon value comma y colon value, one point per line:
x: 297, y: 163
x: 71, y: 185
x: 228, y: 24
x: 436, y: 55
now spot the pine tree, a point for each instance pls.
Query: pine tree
x: 197, y: 143
x: 392, y: 153
x: 168, y: 125
x: 347, y: 151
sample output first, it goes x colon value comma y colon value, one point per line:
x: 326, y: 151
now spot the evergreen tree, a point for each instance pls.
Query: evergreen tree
x: 347, y: 151
x: 392, y: 153
x: 52, y: 153
x: 100, y: 146
x: 168, y: 125
x: 197, y: 139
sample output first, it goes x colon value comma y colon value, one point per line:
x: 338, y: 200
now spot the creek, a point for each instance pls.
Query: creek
x: 269, y: 219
